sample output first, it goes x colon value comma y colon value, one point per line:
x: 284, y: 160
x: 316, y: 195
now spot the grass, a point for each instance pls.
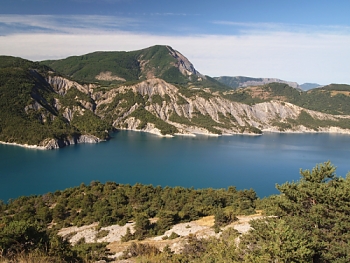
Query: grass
x: 32, y: 257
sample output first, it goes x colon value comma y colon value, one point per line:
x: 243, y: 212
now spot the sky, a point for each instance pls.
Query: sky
x: 304, y: 41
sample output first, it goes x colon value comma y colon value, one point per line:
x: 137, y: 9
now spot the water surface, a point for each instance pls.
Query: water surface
x: 257, y: 162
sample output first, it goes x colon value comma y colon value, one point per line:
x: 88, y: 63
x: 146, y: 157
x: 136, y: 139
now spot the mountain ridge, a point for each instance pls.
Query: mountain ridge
x: 242, y: 82
x: 156, y: 90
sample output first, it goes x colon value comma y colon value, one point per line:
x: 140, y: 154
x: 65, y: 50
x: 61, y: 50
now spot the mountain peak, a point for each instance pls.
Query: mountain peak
x: 118, y: 66
x: 184, y: 65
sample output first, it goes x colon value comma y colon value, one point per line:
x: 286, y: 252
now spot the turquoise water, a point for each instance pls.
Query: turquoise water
x: 257, y: 162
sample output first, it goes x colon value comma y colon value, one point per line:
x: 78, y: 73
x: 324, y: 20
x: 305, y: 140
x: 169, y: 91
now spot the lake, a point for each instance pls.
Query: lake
x: 257, y: 162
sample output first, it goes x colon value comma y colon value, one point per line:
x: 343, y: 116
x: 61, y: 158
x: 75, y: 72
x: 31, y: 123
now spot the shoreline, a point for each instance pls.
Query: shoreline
x: 332, y: 130
x: 28, y: 146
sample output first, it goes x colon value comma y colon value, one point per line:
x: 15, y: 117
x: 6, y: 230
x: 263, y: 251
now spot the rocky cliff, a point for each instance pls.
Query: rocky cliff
x: 158, y: 107
x: 156, y: 90
x: 203, y: 111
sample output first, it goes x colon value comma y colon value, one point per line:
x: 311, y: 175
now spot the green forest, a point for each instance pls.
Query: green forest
x: 307, y: 222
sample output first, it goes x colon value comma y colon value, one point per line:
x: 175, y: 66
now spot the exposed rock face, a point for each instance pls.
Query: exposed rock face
x: 34, y: 106
x: 108, y: 76
x: 184, y: 65
x: 154, y: 104
x: 51, y: 144
x: 227, y: 116
x: 62, y: 85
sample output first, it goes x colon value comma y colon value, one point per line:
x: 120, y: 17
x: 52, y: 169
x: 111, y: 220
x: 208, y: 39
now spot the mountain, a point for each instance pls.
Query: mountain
x: 307, y: 86
x: 241, y: 82
x: 120, y: 67
x: 330, y: 99
x: 81, y: 99
x: 34, y: 112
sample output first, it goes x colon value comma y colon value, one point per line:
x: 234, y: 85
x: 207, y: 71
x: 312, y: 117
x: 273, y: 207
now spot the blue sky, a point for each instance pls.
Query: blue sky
x: 302, y: 41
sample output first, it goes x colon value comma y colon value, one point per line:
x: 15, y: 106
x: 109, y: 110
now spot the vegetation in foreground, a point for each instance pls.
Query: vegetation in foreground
x: 25, y: 220
x: 309, y: 222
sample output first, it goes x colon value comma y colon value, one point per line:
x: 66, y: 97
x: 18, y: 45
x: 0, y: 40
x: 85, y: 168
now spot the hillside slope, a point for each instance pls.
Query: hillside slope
x: 332, y: 99
x: 119, y: 67
x: 155, y: 90
x: 35, y: 111
x: 240, y: 81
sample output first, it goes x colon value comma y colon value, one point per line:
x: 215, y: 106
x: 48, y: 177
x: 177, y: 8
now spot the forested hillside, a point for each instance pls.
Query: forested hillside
x: 307, y: 222
x: 109, y: 204
x: 33, y: 112
x: 81, y: 99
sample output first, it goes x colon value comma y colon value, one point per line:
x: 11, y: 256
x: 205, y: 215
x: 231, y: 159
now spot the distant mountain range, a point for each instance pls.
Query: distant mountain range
x: 308, y: 86
x: 242, y: 82
x: 79, y: 99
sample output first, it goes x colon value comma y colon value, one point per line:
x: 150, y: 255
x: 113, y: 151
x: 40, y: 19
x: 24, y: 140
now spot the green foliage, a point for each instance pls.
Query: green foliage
x: 131, y: 66
x: 173, y: 75
x: 146, y: 117
x: 181, y: 101
x: 174, y: 117
x: 128, y: 235
x: 283, y: 126
x: 102, y: 233
x: 275, y: 241
x: 18, y: 237
x: 312, y: 222
x: 234, y: 82
x: 332, y: 99
x: 157, y: 99
x: 85, y: 68
x: 165, y: 221
x: 242, y: 96
x: 28, y: 114
x: 119, y: 204
x: 173, y: 235
x: 206, y: 122
x: 308, y: 121
x: 223, y: 218
x: 91, y: 252
x: 135, y: 250
x: 142, y: 226
x: 89, y: 123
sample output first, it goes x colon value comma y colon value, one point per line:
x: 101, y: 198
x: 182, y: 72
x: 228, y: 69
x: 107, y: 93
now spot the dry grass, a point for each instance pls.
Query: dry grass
x: 336, y: 92
x: 33, y: 257
x: 118, y: 247
x: 206, y: 221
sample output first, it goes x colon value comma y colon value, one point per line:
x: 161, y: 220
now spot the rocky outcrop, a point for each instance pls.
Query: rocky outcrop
x: 51, y: 144
x: 108, y: 76
x: 62, y: 85
x: 184, y: 65
x: 153, y: 104
x: 226, y: 116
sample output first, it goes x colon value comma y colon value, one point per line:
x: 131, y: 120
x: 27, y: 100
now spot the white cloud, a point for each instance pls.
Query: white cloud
x: 262, y: 28
x: 77, y: 24
x: 295, y: 55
